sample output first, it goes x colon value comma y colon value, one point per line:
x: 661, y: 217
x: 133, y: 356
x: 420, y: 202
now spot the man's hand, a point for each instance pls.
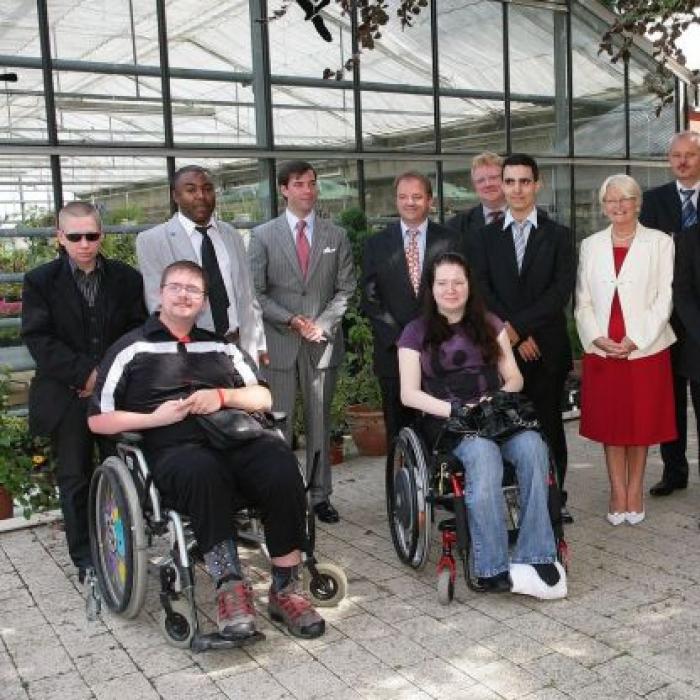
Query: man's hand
x: 89, y: 385
x: 204, y: 401
x: 529, y: 350
x: 263, y: 358
x: 313, y: 333
x: 299, y: 324
x: 513, y: 336
x: 170, y: 412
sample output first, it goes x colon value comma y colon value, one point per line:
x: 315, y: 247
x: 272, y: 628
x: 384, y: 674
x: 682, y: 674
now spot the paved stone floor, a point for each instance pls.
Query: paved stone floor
x: 629, y: 628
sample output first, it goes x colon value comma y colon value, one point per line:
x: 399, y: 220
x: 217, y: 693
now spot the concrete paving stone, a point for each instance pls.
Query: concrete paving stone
x: 345, y: 694
x: 67, y: 686
x: 538, y: 626
x: 14, y: 691
x: 22, y: 639
x: 580, y: 618
x: 187, y: 684
x: 220, y: 663
x: 437, y: 677
x: 632, y: 674
x: 278, y: 654
x: 424, y: 629
x: 428, y: 605
x: 361, y: 590
x: 252, y: 685
x: 472, y: 623
x: 132, y: 686
x: 391, y: 609
x: 103, y: 666
x: 310, y: 680
x: 466, y: 655
x: 406, y: 587
x: 345, y: 608
x: 547, y: 694
x: 40, y: 661
x: 364, y: 626
x: 142, y: 635
x: 677, y: 664
x: 675, y: 691
x: 604, y: 690
x: 346, y: 658
x: 79, y: 647
x: 562, y: 672
x: 156, y: 661
x: 515, y: 647
x: 499, y: 607
x: 396, y: 651
x: 24, y: 618
x: 507, y: 679
x: 628, y: 639
x: 583, y: 649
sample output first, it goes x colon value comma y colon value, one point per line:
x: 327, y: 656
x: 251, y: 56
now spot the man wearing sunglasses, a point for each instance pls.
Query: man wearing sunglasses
x: 73, y: 309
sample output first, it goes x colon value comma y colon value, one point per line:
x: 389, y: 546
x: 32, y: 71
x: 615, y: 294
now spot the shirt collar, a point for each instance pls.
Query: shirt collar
x: 154, y: 329
x: 76, y: 270
x: 531, y: 218
x: 190, y: 225
x: 421, y: 228
x: 487, y: 210
x: 292, y: 220
x: 680, y: 187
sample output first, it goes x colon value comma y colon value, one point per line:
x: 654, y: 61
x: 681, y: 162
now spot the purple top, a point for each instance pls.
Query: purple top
x: 457, y: 370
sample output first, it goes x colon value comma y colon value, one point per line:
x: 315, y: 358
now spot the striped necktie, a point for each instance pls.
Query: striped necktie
x: 689, y: 212
x: 520, y: 242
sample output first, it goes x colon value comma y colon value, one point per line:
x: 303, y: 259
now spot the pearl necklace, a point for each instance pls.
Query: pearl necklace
x: 623, y: 239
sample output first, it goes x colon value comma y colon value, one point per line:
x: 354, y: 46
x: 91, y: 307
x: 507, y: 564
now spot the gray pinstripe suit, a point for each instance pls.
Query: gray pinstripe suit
x: 323, y: 297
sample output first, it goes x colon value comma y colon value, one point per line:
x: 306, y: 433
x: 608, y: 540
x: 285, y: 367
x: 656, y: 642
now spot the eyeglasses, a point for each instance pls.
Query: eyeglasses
x: 91, y: 236
x: 189, y: 289
x: 617, y: 202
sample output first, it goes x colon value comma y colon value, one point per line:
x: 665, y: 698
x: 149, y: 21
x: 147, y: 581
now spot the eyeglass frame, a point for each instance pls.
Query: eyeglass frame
x: 189, y: 289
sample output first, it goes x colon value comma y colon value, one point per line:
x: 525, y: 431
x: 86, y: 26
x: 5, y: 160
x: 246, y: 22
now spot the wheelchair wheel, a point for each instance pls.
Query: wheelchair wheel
x: 408, y: 508
x: 179, y: 627
x: 445, y: 587
x: 118, y: 538
x: 332, y: 587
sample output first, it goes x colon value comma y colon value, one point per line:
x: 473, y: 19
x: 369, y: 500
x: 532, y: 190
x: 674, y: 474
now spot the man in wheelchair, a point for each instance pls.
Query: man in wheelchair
x: 158, y: 379
x: 451, y: 358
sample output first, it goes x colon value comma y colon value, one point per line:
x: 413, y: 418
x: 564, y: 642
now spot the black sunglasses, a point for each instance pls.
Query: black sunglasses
x: 76, y: 237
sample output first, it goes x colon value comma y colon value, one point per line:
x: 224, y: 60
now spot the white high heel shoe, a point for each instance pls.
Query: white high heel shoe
x: 634, y: 518
x: 616, y: 518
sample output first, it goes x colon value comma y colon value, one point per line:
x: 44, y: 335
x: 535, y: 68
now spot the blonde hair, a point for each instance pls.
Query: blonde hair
x: 626, y: 184
x: 692, y: 135
x: 486, y: 158
x: 79, y: 210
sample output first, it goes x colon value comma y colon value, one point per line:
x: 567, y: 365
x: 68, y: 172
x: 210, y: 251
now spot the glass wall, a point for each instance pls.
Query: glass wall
x: 127, y: 96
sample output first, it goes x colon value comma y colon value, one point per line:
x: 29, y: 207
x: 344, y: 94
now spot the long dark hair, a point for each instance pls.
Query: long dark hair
x: 474, y: 322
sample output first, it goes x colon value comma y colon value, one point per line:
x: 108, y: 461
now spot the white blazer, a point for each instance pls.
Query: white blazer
x: 643, y: 285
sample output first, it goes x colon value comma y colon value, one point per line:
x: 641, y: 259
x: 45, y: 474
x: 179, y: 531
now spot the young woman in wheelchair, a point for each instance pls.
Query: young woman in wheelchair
x: 158, y: 379
x: 450, y: 358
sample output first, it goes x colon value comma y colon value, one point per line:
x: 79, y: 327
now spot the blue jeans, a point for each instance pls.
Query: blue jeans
x: 483, y: 475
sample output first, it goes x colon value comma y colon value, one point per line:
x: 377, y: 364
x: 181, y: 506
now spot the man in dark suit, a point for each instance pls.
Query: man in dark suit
x: 73, y: 309
x: 525, y: 267
x: 488, y: 184
x: 393, y: 263
x: 673, y: 208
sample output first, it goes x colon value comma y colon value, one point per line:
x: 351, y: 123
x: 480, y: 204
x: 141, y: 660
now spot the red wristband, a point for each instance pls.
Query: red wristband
x: 222, y: 398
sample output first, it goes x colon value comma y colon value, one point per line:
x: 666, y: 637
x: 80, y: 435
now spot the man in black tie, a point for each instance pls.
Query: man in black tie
x: 194, y: 233
x: 393, y: 263
x: 673, y: 208
x: 525, y: 269
x: 488, y: 184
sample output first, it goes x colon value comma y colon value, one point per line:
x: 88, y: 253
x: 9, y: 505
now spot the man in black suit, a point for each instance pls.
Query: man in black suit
x: 488, y: 184
x: 393, y: 263
x: 673, y: 208
x: 525, y: 267
x: 73, y: 309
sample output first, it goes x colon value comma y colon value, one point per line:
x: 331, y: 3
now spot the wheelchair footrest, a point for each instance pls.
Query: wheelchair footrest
x: 213, y: 640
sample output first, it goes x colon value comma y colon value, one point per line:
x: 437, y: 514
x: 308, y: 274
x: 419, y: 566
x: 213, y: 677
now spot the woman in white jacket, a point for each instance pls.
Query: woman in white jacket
x: 623, y: 306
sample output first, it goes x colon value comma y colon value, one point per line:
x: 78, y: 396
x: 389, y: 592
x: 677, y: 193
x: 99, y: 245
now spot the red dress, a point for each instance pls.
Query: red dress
x: 627, y: 402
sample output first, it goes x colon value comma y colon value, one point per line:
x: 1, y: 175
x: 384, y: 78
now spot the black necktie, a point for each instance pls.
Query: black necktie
x: 218, y: 299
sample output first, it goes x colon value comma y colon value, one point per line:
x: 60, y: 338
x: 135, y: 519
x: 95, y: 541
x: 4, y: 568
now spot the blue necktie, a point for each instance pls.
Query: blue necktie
x: 689, y: 213
x: 520, y: 242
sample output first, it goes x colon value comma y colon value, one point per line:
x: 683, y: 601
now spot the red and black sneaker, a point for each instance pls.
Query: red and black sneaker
x: 292, y: 607
x: 235, y: 610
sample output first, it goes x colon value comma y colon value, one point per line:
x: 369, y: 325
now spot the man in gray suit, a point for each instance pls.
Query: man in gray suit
x: 304, y: 277
x: 195, y: 234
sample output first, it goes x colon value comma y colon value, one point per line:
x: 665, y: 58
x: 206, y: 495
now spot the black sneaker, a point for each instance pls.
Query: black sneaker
x: 566, y: 516
x: 500, y: 583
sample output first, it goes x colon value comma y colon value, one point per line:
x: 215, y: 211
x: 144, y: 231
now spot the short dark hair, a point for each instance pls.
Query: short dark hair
x: 187, y: 266
x: 187, y: 169
x: 293, y: 167
x: 415, y: 175
x: 523, y: 159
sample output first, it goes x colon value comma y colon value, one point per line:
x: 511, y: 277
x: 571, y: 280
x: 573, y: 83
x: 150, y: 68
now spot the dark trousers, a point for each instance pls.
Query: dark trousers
x: 673, y: 453
x: 211, y: 485
x: 396, y: 415
x: 545, y: 389
x: 73, y: 447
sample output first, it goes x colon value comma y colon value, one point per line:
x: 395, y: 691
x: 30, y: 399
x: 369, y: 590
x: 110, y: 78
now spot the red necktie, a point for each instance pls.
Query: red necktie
x: 303, y: 248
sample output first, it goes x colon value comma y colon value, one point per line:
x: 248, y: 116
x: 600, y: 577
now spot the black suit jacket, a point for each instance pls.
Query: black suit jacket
x: 468, y: 224
x: 56, y: 333
x: 686, y: 302
x: 534, y: 300
x: 387, y: 295
x: 661, y: 208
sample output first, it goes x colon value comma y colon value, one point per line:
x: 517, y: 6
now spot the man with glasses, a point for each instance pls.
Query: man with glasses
x: 673, y: 208
x: 73, y: 309
x: 195, y: 233
x: 488, y: 185
x: 525, y: 267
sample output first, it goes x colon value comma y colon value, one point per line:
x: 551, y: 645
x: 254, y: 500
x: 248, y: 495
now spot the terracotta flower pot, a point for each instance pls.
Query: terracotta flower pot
x: 367, y: 429
x: 337, y: 452
x: 6, y: 508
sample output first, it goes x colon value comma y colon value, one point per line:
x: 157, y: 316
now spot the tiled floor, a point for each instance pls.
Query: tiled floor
x: 629, y: 628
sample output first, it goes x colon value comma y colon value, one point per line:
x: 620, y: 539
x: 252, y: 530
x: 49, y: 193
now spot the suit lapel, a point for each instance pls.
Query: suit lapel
x: 180, y: 242
x: 286, y: 241
x: 67, y: 290
x: 399, y: 259
x: 534, y: 241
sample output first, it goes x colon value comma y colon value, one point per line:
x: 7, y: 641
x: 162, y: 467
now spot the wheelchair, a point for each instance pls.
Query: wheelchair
x: 423, y: 475
x: 126, y: 513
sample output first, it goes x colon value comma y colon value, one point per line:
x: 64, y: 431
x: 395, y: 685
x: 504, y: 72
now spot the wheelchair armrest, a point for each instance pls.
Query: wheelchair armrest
x: 130, y: 438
